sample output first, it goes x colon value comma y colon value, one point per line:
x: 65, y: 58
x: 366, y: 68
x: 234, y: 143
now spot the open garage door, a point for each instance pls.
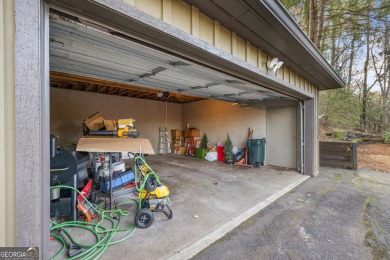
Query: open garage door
x: 94, y: 59
x: 80, y: 48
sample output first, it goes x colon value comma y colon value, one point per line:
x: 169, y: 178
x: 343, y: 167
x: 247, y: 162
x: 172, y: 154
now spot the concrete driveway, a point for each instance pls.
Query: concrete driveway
x: 340, y: 214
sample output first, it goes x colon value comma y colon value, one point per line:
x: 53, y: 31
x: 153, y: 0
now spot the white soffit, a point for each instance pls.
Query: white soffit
x: 82, y: 50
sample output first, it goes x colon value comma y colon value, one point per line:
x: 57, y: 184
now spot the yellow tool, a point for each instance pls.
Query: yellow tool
x: 122, y: 123
x: 126, y: 129
x: 160, y: 192
x: 156, y: 200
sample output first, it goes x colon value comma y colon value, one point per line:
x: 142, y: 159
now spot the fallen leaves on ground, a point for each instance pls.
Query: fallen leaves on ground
x: 375, y: 156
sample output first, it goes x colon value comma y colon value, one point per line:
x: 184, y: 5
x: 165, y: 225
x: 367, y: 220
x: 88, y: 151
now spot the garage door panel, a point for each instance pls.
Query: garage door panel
x: 77, y: 48
x: 86, y: 67
x: 109, y: 58
x: 100, y: 60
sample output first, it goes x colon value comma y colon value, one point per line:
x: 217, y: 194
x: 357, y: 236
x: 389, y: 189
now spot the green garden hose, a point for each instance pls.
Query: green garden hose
x: 95, y: 250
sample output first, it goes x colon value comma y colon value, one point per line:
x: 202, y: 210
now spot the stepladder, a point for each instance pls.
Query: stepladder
x: 164, y: 146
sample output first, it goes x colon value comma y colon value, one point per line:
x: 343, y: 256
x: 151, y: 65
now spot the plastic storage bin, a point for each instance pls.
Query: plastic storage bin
x: 256, y: 152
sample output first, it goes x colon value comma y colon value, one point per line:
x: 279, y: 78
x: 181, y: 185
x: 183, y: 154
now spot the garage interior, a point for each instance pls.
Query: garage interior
x: 96, y: 69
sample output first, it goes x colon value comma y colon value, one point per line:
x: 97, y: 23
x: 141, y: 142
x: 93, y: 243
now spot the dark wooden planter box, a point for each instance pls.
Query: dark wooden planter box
x: 339, y: 155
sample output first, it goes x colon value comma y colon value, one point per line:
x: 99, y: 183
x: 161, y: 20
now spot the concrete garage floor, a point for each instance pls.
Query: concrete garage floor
x: 209, y: 200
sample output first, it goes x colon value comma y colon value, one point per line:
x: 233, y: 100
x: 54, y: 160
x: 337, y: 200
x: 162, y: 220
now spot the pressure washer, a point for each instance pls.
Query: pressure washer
x: 152, y: 195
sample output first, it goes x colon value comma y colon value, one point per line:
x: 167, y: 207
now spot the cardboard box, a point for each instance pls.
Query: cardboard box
x: 197, y: 143
x: 175, y: 146
x: 176, y: 133
x: 178, y: 141
x: 192, y: 132
x: 95, y: 122
x: 110, y: 124
x: 182, y: 150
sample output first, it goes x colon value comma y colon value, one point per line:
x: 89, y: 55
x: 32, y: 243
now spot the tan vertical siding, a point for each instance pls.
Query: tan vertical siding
x: 7, y: 125
x: 217, y: 34
x: 206, y: 32
x: 262, y: 60
x: 192, y: 21
x: 167, y: 11
x: 152, y: 7
x: 195, y: 22
x: 182, y: 16
x: 241, y: 48
x: 286, y: 74
x: 130, y: 2
x: 251, y: 54
x: 226, y: 40
x: 280, y: 72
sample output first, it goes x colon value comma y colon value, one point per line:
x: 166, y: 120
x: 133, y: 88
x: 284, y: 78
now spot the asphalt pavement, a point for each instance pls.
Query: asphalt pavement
x: 340, y: 214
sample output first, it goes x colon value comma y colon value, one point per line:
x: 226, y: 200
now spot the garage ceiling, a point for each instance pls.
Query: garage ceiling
x: 82, y: 49
x: 75, y: 82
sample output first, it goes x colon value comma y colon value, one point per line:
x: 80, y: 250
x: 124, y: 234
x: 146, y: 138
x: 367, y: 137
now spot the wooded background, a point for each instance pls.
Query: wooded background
x: 353, y: 35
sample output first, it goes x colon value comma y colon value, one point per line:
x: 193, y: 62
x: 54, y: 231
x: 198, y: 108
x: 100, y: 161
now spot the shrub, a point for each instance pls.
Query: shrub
x: 386, y: 136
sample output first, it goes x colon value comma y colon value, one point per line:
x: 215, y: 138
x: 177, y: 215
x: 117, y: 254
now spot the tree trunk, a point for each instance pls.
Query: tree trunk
x: 312, y: 20
x: 333, y: 49
x: 386, y: 78
x: 351, y: 60
x: 320, y: 24
x: 307, y: 16
x: 363, y: 116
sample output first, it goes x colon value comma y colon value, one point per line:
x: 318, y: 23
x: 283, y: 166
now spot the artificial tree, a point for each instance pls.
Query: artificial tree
x: 201, y: 152
x: 228, y: 150
x: 203, y: 144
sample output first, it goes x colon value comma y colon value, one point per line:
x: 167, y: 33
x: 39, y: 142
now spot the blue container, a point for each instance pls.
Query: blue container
x: 118, y: 180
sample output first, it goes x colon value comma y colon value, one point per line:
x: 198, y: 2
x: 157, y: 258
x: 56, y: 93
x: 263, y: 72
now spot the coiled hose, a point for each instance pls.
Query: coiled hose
x: 94, y: 251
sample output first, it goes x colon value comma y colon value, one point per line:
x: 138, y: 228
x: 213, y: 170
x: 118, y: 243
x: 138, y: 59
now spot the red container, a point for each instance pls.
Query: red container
x: 221, y: 156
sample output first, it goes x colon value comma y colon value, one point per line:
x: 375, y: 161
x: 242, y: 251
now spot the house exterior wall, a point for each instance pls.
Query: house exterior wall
x: 7, y: 125
x: 69, y: 108
x: 32, y: 164
x: 23, y: 221
x: 216, y: 118
x: 192, y: 21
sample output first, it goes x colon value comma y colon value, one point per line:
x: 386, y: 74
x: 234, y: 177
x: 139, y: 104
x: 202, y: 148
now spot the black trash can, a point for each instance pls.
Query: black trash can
x: 256, y: 152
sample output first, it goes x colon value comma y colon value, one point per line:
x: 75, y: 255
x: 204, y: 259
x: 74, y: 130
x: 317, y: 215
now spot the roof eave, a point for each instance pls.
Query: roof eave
x: 284, y: 39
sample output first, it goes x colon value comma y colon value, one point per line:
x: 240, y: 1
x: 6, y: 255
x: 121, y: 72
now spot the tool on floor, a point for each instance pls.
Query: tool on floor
x: 164, y: 146
x: 84, y: 207
x: 152, y: 195
x: 244, y: 160
x: 73, y: 250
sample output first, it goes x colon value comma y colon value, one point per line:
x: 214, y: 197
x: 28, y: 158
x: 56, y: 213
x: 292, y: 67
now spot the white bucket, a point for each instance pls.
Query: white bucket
x: 118, y: 167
